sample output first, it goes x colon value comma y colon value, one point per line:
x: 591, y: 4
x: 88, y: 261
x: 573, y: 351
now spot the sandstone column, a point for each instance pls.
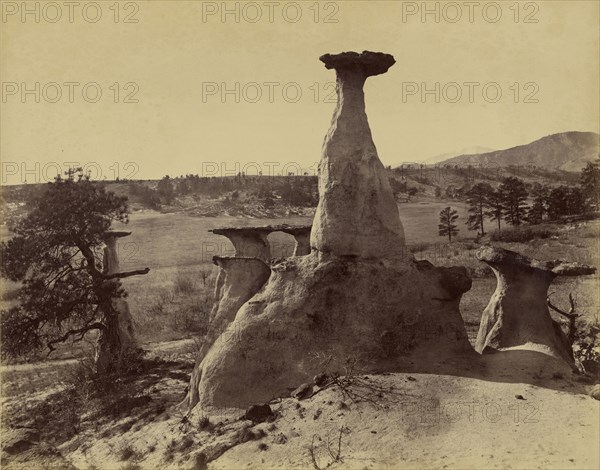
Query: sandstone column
x: 517, y: 315
x: 357, y: 214
x: 239, y: 279
x: 302, y: 237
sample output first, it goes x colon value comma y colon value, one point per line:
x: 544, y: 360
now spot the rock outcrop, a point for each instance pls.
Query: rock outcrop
x: 517, y: 316
x: 356, y: 297
x: 357, y: 214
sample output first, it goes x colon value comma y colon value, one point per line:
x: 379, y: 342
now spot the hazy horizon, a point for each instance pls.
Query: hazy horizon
x: 186, y: 66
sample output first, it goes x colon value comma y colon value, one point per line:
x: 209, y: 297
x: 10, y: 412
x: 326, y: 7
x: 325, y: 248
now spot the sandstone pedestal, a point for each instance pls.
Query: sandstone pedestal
x: 517, y: 316
x: 357, y: 214
x: 301, y: 236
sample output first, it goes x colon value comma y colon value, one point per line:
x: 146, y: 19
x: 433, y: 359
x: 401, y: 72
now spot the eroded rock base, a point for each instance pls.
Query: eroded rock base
x: 320, y: 313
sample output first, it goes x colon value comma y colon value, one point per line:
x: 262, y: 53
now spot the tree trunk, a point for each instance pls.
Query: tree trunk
x: 108, y: 348
x: 116, y: 341
x: 481, y: 218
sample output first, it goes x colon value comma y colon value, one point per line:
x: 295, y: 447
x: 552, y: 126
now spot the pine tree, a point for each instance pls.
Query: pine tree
x: 495, y: 207
x: 590, y: 184
x: 56, y: 255
x: 477, y: 198
x: 447, y: 227
x: 538, y: 208
x: 514, y: 196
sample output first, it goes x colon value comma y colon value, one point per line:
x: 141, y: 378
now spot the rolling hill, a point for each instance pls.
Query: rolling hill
x: 568, y: 151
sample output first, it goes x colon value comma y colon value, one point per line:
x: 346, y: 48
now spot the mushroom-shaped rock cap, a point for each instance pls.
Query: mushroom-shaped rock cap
x: 496, y: 256
x: 263, y: 229
x: 240, y: 230
x: 371, y: 63
x: 291, y: 229
x: 115, y: 234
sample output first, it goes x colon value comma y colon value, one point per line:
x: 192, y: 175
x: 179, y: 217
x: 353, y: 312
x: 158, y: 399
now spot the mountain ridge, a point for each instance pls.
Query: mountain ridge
x: 568, y: 151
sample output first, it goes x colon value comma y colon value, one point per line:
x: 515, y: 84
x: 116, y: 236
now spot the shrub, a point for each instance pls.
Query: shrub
x: 127, y: 452
x: 521, y: 234
x: 586, y: 346
x: 184, y: 284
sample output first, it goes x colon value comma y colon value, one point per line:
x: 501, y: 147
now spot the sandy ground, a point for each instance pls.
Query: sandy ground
x: 499, y: 411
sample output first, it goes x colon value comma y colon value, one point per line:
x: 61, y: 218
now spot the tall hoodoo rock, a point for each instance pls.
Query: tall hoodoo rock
x: 517, y: 316
x: 357, y: 214
x: 353, y: 297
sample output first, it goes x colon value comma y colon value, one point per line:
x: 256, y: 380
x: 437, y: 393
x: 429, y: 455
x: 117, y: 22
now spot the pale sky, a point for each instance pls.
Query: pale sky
x: 179, y: 52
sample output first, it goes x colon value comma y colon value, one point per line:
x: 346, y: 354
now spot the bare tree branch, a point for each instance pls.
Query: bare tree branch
x: 93, y: 270
x: 81, y: 332
x: 570, y: 313
x: 136, y: 272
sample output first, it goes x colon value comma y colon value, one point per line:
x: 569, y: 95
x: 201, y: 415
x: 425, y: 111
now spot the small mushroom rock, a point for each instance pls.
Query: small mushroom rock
x: 517, y: 316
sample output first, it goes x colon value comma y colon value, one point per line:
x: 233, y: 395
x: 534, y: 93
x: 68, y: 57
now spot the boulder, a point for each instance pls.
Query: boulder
x: 303, y: 391
x: 301, y: 235
x: 17, y: 440
x: 258, y: 413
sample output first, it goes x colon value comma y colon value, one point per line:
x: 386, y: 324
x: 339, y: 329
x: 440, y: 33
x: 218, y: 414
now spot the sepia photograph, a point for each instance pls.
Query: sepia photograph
x: 351, y: 234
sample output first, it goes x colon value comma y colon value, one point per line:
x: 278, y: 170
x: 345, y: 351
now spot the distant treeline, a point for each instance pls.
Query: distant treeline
x: 293, y: 190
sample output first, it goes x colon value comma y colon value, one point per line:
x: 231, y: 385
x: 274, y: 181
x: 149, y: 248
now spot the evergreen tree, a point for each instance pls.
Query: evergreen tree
x: 514, y: 196
x: 447, y: 226
x: 538, y: 208
x: 495, y: 207
x: 590, y: 184
x: 477, y: 199
x: 56, y: 253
